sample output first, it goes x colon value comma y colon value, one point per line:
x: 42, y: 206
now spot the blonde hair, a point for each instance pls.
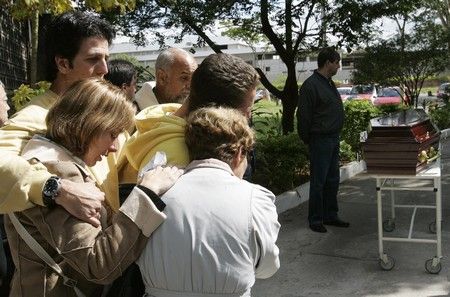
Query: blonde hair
x: 87, y: 109
x: 218, y: 132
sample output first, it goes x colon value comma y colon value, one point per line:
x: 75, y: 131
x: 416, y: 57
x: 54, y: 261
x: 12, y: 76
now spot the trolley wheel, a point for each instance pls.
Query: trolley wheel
x: 386, y: 262
x: 433, y: 266
x: 432, y: 227
x: 389, y: 225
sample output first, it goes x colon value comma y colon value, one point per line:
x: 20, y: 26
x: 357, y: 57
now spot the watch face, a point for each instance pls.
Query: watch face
x: 51, y: 187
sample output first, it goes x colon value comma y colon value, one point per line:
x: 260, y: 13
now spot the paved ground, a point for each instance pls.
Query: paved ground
x: 344, y: 262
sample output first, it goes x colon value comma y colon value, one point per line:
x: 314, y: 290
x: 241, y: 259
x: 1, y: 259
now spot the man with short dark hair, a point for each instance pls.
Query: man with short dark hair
x: 76, y: 46
x: 173, y: 72
x: 223, y: 80
x: 123, y: 74
x: 320, y: 118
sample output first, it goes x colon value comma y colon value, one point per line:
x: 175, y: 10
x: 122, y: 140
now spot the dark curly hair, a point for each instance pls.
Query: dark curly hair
x: 65, y: 33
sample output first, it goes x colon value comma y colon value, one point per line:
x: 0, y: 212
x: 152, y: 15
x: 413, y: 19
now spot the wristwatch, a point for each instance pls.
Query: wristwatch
x: 50, y: 191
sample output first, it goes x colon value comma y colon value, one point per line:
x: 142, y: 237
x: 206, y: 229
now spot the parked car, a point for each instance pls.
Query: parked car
x: 443, y: 91
x: 388, y: 95
x: 344, y: 92
x: 363, y: 92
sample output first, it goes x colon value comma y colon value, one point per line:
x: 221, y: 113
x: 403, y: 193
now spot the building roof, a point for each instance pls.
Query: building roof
x: 151, y: 51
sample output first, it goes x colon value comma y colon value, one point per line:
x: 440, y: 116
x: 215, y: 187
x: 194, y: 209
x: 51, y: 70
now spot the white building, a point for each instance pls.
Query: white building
x: 264, y: 58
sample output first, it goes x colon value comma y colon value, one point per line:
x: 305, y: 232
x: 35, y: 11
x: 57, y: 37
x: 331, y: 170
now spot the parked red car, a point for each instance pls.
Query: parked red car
x: 344, y: 92
x: 363, y: 92
x: 388, y: 95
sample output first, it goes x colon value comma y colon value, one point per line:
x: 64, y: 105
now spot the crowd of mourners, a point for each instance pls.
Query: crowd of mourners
x: 110, y: 193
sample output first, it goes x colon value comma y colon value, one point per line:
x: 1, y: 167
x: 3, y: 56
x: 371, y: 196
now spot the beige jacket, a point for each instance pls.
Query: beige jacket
x: 21, y: 183
x: 87, y: 254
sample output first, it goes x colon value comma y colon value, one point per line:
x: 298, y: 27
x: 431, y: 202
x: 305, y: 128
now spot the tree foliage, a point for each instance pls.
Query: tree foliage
x: 30, y: 10
x: 438, y: 12
x: 26, y: 9
x: 411, y: 56
x: 293, y: 28
x: 144, y: 73
x: 415, y: 52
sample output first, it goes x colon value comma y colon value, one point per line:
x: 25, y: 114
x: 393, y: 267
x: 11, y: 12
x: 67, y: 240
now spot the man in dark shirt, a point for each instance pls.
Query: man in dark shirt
x: 320, y: 119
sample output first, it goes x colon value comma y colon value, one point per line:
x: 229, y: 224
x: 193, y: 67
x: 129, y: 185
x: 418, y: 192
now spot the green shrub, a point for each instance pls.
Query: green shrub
x: 24, y: 93
x: 357, y: 118
x: 440, y: 116
x: 281, y: 162
x: 346, y: 153
x: 266, y: 122
x: 390, y: 108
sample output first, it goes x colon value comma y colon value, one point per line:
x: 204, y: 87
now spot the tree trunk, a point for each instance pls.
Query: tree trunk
x: 34, y: 21
x: 289, y: 102
x: 289, y: 99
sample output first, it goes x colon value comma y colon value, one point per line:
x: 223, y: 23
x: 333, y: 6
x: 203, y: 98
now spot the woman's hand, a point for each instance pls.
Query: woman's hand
x: 161, y: 179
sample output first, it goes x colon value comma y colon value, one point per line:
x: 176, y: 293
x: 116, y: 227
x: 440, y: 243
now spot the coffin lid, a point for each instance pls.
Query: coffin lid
x: 404, y: 118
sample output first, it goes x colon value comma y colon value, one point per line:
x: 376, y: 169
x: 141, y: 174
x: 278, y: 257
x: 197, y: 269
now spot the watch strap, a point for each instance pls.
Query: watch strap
x: 50, y: 191
x: 160, y: 205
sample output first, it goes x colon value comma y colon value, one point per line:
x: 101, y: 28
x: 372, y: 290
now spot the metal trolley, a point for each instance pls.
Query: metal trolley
x: 387, y: 182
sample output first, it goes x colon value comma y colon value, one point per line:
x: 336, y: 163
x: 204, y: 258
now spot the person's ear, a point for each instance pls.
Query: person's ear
x: 238, y: 157
x: 161, y: 76
x: 124, y: 86
x: 62, y: 64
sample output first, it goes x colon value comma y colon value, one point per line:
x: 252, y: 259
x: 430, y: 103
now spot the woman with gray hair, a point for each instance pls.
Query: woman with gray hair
x: 221, y: 231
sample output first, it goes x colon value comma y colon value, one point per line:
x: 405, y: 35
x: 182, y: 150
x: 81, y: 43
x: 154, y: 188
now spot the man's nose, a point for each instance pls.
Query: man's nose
x: 102, y: 68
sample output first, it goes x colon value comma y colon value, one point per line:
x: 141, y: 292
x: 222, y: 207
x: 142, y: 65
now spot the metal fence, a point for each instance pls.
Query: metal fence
x: 14, y: 51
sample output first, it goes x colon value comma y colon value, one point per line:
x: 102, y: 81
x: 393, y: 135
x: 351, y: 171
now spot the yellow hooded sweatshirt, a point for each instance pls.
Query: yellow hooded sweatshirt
x: 157, y: 130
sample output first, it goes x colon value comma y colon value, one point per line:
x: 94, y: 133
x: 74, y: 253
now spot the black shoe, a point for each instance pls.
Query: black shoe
x: 318, y: 228
x: 337, y: 223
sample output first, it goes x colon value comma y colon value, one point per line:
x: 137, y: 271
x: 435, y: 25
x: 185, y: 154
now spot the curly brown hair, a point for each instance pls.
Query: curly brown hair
x: 219, y: 133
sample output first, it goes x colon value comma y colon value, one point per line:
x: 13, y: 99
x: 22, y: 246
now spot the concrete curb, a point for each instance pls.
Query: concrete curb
x: 299, y: 195
x: 445, y: 133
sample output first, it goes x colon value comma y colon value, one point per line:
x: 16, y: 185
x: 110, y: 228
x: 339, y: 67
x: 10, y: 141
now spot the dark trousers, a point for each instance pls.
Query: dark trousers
x: 324, y: 177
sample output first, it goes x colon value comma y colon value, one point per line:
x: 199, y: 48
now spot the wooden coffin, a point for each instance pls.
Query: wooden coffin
x: 404, y: 142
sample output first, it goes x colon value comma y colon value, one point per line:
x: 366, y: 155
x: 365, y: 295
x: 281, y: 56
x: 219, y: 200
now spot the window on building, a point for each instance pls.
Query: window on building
x: 346, y: 63
x: 223, y: 46
x: 267, y: 69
